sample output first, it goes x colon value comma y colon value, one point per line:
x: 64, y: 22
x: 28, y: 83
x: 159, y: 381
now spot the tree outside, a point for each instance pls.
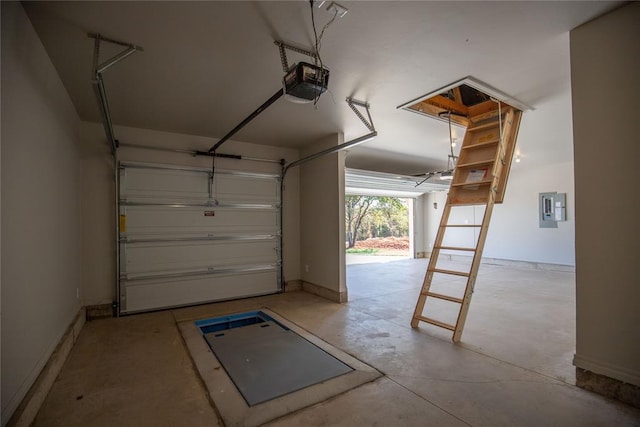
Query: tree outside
x: 375, y: 223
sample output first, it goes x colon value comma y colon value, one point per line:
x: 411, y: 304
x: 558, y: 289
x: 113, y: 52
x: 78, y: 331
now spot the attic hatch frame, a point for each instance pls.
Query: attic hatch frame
x: 459, y: 112
x: 474, y: 83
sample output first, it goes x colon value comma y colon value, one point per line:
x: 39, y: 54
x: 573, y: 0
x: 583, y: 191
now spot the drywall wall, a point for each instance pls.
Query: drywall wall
x: 605, y: 59
x: 515, y: 233
x: 322, y: 237
x: 41, y: 207
x: 431, y: 215
x: 98, y: 202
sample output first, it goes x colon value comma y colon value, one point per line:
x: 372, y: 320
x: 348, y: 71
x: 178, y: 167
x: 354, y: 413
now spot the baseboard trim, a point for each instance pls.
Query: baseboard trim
x: 514, y: 263
x: 607, y: 369
x: 321, y: 291
x: 27, y: 410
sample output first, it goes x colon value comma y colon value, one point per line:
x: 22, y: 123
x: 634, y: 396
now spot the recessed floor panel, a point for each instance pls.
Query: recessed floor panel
x: 265, y: 360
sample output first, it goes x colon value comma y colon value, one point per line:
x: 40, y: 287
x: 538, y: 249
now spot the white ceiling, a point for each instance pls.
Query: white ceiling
x: 207, y: 65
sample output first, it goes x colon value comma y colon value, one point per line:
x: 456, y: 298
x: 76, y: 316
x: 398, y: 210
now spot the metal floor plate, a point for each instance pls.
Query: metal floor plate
x: 266, y: 361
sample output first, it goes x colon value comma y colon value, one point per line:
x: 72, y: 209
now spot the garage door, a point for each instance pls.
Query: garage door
x: 187, y: 239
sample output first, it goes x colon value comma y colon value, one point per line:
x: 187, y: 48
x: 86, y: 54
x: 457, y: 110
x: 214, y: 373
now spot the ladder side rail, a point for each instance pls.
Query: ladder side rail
x: 475, y: 264
x: 501, y: 151
x: 510, y: 150
x: 484, y: 231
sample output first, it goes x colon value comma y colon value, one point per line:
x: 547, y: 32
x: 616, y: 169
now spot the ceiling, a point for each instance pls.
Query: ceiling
x: 207, y: 65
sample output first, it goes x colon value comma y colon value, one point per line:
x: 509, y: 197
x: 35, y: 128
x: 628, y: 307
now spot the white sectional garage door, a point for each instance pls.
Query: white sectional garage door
x: 187, y: 239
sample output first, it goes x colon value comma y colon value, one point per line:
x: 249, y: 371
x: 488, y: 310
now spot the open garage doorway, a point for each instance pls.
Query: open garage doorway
x: 378, y: 228
x: 385, y: 215
x: 385, y: 257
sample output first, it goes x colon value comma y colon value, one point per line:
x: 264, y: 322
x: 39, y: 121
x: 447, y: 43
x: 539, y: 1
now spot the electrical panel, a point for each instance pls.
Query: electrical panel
x: 552, y: 209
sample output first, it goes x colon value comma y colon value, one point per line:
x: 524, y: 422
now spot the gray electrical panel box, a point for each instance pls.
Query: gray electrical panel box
x: 552, y: 209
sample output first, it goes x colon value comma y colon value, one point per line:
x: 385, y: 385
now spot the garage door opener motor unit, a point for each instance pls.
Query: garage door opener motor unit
x: 305, y: 82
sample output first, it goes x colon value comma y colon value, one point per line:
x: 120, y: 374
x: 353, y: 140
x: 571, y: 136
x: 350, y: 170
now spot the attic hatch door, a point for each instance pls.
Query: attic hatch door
x: 184, y: 242
x: 467, y: 103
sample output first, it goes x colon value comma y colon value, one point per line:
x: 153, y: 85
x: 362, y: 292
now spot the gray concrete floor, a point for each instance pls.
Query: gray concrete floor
x: 512, y: 367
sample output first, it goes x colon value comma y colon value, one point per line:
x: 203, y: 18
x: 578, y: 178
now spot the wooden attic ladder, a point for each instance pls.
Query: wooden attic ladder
x: 479, y: 178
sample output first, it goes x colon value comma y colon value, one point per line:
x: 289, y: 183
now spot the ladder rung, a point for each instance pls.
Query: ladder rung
x: 444, y: 297
x: 484, y: 126
x: 475, y: 202
x: 478, y: 163
x: 481, y: 144
x: 451, y: 272
x: 469, y: 184
x: 436, y: 322
x: 462, y: 225
x: 455, y: 248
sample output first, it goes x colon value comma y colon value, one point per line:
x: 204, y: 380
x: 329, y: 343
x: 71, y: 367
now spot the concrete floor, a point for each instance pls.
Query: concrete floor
x: 513, y: 366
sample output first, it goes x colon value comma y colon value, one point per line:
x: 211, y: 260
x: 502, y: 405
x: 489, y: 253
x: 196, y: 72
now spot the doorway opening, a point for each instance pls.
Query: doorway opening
x: 378, y: 228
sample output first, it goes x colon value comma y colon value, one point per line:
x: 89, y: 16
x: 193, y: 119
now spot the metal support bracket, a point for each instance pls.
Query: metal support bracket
x: 428, y: 175
x: 353, y: 104
x: 97, y: 70
x: 282, y: 46
x: 357, y: 141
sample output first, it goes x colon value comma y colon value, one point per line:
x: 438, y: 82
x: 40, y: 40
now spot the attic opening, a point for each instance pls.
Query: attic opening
x: 463, y: 102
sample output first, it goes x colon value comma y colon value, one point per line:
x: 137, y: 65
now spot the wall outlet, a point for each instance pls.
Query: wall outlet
x: 306, y: 268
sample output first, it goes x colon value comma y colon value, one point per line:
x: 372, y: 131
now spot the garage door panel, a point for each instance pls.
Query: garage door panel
x: 185, y: 241
x: 238, y: 188
x: 186, y: 256
x: 149, y: 184
x: 168, y: 220
x: 150, y: 294
x: 161, y: 185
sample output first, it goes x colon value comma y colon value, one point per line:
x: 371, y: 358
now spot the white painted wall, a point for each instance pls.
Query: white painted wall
x: 98, y: 207
x: 41, y: 220
x: 515, y: 233
x: 432, y: 217
x: 322, y: 237
x: 605, y: 59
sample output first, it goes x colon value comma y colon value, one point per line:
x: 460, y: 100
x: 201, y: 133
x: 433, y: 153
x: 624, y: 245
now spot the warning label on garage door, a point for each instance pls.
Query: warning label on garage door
x: 209, y: 213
